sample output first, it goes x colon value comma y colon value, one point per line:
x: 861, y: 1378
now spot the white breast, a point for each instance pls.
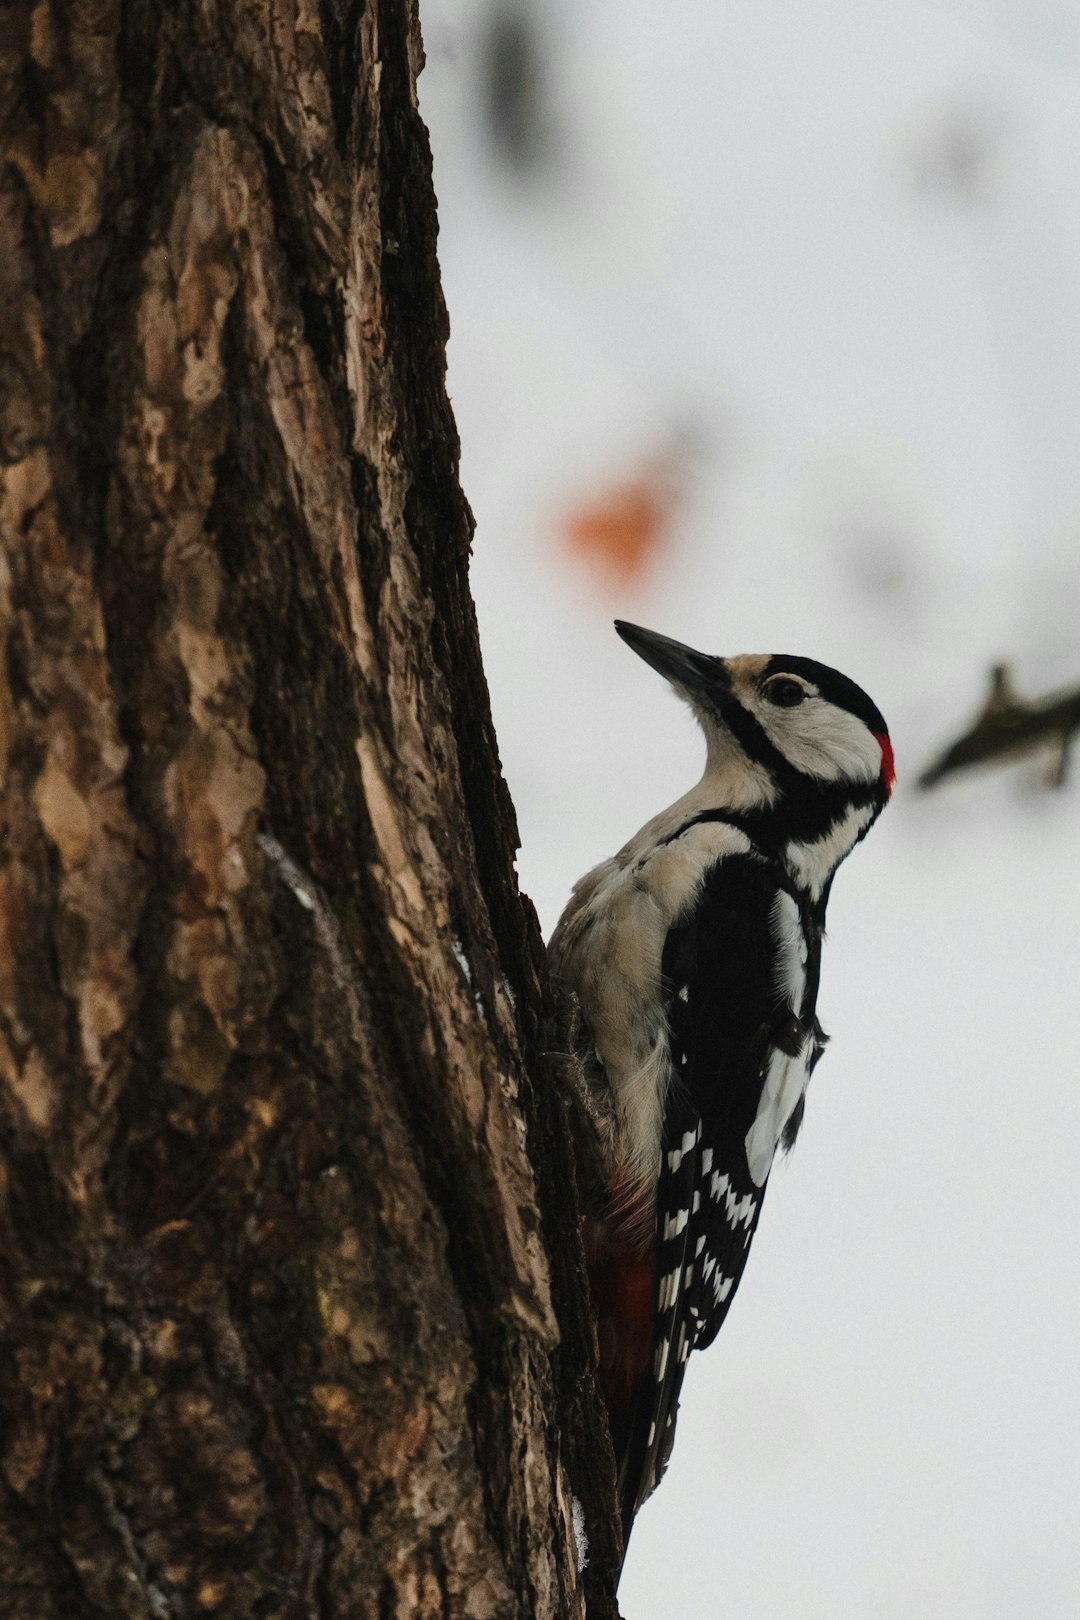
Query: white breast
x: 609, y: 950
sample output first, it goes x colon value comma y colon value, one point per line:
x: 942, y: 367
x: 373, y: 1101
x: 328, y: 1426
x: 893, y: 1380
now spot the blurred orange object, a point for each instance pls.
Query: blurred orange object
x: 627, y: 525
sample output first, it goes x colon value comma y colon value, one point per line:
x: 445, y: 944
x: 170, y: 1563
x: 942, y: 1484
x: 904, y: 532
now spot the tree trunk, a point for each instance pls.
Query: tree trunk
x: 294, y: 1321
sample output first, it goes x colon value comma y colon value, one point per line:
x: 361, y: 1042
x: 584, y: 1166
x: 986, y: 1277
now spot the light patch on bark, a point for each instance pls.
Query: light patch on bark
x: 385, y: 815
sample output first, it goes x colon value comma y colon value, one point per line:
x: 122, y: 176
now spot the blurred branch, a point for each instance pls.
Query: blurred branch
x: 1010, y: 726
x: 512, y: 69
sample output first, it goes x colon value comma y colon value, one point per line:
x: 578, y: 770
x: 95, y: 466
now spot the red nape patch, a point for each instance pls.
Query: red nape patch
x: 888, y: 765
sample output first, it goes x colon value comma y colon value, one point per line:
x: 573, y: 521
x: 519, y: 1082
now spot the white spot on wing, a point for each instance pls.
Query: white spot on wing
x: 739, y: 1211
x: 677, y: 1155
x: 669, y: 1287
x: 722, y: 1287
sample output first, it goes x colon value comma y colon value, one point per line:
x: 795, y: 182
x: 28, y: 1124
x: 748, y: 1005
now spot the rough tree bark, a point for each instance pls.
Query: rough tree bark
x: 293, y: 1314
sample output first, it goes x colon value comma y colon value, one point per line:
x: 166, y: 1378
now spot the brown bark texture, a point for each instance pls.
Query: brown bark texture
x: 291, y: 1304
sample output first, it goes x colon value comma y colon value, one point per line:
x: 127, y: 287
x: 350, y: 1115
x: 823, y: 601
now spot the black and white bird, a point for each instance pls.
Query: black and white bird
x: 690, y: 962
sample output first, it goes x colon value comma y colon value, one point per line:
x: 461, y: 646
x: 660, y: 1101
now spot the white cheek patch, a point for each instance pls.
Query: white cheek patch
x: 820, y: 740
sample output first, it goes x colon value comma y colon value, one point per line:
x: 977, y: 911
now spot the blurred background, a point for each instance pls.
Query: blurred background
x: 766, y: 334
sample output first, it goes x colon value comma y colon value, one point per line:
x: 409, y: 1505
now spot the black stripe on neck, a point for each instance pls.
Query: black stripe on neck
x: 770, y: 830
x: 808, y: 807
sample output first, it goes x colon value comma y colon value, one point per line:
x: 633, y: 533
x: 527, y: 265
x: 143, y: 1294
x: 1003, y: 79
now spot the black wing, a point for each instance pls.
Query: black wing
x: 727, y: 971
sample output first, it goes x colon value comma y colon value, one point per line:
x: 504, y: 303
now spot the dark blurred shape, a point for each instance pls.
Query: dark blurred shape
x: 877, y: 552
x: 1009, y: 726
x: 956, y: 158
x: 879, y: 566
x: 512, y: 76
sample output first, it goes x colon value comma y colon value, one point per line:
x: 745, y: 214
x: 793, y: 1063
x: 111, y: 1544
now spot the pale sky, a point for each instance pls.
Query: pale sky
x: 829, y: 258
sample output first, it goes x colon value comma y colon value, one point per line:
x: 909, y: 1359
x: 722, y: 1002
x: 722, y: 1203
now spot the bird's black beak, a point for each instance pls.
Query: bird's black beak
x: 673, y: 660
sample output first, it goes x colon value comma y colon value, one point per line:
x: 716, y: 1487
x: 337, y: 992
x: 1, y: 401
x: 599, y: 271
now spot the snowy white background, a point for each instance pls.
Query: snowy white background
x: 832, y: 254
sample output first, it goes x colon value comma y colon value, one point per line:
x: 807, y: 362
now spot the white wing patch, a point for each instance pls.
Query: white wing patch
x: 785, y: 1082
x: 789, y: 940
x: 786, y: 1076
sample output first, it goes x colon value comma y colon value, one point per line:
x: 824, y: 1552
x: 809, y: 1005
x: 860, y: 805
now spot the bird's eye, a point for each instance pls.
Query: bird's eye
x: 785, y: 693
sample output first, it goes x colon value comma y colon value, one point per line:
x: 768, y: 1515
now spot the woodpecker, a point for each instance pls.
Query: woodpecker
x: 690, y: 964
